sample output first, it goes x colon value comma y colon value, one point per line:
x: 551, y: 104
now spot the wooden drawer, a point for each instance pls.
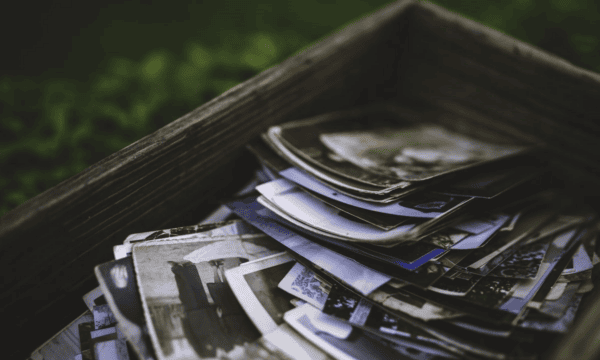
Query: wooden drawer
x: 433, y: 63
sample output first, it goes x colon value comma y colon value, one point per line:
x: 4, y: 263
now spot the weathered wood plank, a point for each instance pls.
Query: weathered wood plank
x: 50, y: 244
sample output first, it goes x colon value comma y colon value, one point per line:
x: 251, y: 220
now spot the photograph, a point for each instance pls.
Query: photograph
x: 383, y: 151
x: 580, y: 262
x: 230, y: 227
x: 324, y: 174
x: 348, y: 306
x: 359, y: 276
x: 285, y: 343
x: 561, y: 250
x: 480, y: 230
x: 481, y: 302
x: 324, y: 331
x: 85, y: 340
x: 549, y: 324
x: 406, y: 256
x: 383, y: 324
x: 401, y: 329
x: 64, y: 344
x: 103, y: 317
x: 316, y: 214
x: 115, y: 349
x: 94, y: 297
x: 256, y: 288
x: 398, y: 302
x: 304, y: 284
x: 483, y: 327
x: 178, y: 294
x: 489, y: 181
x: 524, y: 263
x: 327, y: 161
x: 225, y: 228
x: 267, y: 156
x: 118, y: 282
x: 451, y: 258
x: 382, y: 221
x: 502, y: 246
x: 310, y: 181
x: 556, y: 308
x: 455, y: 283
x: 420, y: 204
x: 445, y: 238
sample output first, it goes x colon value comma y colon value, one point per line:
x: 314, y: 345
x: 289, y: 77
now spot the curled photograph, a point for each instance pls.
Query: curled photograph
x: 413, y: 153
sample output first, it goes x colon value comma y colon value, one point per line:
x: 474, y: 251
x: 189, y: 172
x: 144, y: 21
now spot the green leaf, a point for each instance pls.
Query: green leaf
x: 199, y: 56
x: 155, y: 65
x: 261, y: 51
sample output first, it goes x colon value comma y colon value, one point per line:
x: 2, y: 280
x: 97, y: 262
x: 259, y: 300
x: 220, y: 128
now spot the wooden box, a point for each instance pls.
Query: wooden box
x: 434, y: 63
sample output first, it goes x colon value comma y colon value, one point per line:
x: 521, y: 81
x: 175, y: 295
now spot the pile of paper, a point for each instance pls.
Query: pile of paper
x: 363, y: 236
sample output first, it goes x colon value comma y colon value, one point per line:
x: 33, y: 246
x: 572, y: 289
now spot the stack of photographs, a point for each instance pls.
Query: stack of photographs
x: 362, y: 235
x: 423, y: 236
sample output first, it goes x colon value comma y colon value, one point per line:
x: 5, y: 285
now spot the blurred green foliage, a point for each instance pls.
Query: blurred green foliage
x: 53, y: 128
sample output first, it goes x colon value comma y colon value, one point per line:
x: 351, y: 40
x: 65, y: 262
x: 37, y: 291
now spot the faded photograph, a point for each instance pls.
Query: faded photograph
x: 264, y: 286
x: 416, y: 153
x: 524, y: 263
x: 118, y: 283
x: 336, y: 338
x: 190, y: 309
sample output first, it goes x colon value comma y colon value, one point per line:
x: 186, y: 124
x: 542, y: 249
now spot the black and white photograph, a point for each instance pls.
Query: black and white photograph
x: 361, y: 277
x: 556, y: 308
x: 402, y: 333
x: 524, y: 263
x: 94, y: 297
x: 118, y: 282
x: 223, y: 228
x: 381, y: 220
x: 549, y: 324
x: 421, y: 204
x: 103, y: 317
x: 306, y: 285
x: 406, y: 256
x: 332, y: 187
x: 339, y: 339
x: 399, y: 302
x: 489, y: 181
x: 178, y: 294
x: 337, y: 180
x: 382, y: 151
x: 255, y: 286
x: 455, y: 283
x: 561, y: 251
x: 230, y: 225
x: 417, y: 253
x: 285, y: 197
x: 480, y: 231
x: 446, y: 238
x: 580, y: 262
x: 501, y: 246
x: 489, y: 292
x: 66, y: 343
x: 344, y: 304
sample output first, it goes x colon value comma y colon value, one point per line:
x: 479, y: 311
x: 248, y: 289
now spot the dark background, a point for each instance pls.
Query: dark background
x: 81, y: 80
